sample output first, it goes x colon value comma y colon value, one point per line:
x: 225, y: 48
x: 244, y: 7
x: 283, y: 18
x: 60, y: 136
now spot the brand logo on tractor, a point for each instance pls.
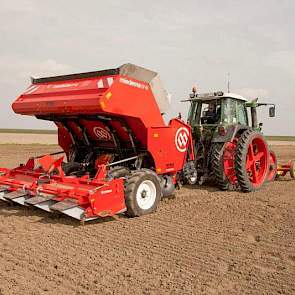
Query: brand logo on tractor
x: 181, y: 139
x: 101, y: 133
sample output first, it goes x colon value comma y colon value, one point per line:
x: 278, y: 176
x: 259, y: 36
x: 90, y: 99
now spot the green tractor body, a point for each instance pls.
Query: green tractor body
x: 228, y: 141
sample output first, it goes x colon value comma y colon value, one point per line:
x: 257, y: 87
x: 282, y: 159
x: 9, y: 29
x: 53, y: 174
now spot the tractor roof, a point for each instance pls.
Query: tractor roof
x: 234, y: 95
x: 217, y: 95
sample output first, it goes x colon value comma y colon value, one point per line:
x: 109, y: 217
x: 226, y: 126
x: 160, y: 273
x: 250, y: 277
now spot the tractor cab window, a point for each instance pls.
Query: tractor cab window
x: 210, y: 112
x: 229, y: 111
x: 192, y: 115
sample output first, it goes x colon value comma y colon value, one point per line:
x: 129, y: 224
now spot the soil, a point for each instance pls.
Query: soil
x: 203, y: 241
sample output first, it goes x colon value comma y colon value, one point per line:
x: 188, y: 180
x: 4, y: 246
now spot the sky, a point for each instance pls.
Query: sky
x: 187, y: 42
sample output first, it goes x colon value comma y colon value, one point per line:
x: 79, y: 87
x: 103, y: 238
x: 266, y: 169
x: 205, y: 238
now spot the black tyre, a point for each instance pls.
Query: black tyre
x: 222, y: 180
x: 190, y: 175
x: 167, y: 186
x: 119, y: 171
x: 142, y: 193
x: 72, y: 168
x: 252, y: 161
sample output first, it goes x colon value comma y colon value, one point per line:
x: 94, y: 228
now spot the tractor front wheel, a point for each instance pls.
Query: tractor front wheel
x: 252, y: 161
x: 142, y: 193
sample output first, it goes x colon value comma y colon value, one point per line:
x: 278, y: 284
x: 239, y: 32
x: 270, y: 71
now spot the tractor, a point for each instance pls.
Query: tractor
x: 228, y: 142
x: 118, y: 154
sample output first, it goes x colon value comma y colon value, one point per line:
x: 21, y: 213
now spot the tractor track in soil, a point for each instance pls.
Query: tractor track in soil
x: 203, y: 241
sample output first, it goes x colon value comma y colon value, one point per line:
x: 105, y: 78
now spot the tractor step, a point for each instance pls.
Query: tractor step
x: 3, y: 191
x: 43, y: 202
x: 18, y: 197
x: 69, y: 207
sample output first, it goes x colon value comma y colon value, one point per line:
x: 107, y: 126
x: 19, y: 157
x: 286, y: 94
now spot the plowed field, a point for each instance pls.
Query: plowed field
x: 202, y: 242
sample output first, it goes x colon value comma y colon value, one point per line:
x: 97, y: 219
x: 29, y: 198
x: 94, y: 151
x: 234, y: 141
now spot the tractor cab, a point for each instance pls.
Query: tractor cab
x: 211, y: 113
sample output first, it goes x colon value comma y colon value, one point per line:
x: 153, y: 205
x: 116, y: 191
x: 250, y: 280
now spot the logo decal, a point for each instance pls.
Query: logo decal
x: 181, y: 139
x: 65, y: 85
x: 133, y: 83
x: 101, y: 133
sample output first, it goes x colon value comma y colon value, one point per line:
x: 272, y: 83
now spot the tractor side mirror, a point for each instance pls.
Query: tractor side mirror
x: 272, y: 112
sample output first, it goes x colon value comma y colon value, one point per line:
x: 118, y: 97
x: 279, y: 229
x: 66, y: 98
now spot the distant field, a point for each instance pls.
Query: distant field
x: 28, y: 131
x: 39, y: 136
x: 280, y: 138
x: 28, y: 137
x: 40, y: 131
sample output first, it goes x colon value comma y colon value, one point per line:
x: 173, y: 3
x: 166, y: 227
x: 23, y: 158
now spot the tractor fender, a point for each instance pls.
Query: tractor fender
x: 230, y: 134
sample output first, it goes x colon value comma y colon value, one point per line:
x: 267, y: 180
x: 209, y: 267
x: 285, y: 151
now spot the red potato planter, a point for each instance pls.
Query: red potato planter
x: 121, y: 156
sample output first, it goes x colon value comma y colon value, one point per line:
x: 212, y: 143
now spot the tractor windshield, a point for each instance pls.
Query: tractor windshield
x: 227, y: 111
x: 234, y: 112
